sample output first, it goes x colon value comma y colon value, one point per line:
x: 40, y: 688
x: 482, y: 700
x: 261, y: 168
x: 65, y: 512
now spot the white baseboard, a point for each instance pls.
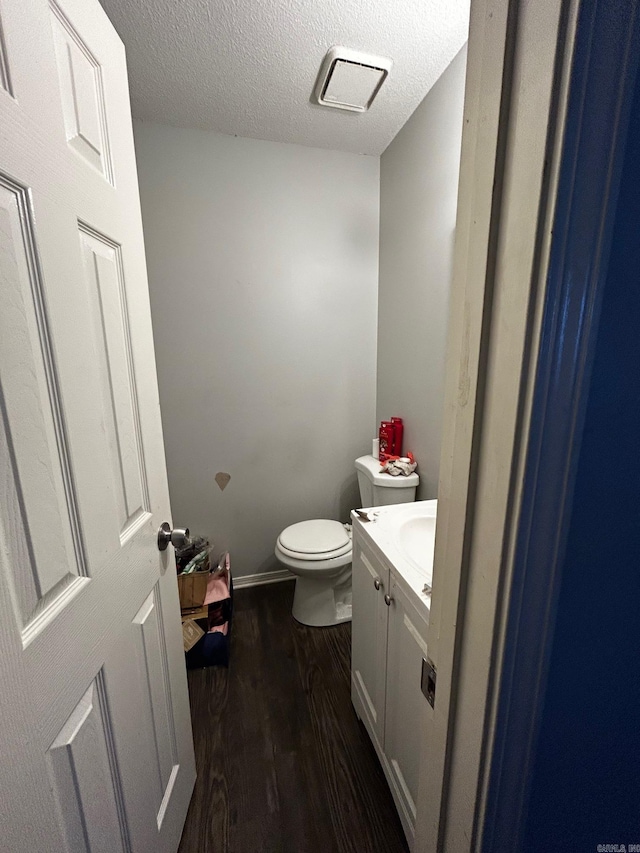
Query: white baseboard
x: 262, y: 578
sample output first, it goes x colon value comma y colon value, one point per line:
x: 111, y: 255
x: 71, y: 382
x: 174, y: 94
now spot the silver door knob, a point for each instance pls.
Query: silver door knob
x: 388, y: 599
x: 178, y: 537
x: 377, y: 583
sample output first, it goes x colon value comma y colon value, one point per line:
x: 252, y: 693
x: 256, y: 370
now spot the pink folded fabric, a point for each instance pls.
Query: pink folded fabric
x: 217, y: 589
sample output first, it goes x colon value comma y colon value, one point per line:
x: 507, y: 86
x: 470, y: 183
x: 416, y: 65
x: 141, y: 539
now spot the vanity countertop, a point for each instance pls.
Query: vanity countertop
x: 403, y: 536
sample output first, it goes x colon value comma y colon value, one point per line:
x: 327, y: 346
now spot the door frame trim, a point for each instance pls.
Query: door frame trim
x: 518, y: 74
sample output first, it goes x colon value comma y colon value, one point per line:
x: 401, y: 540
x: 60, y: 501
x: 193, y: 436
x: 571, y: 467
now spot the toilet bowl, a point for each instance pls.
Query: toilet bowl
x: 318, y: 552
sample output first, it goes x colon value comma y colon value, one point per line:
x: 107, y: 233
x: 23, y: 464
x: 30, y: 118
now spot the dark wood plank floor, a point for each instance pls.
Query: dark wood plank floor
x: 284, y: 766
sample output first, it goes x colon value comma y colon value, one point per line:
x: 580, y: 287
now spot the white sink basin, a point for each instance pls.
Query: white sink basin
x: 415, y: 537
x: 406, y: 534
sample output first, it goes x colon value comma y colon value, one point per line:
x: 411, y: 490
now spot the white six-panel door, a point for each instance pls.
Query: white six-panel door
x: 94, y: 717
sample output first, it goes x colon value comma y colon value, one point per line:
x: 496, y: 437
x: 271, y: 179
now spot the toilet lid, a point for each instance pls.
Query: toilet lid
x: 318, y: 536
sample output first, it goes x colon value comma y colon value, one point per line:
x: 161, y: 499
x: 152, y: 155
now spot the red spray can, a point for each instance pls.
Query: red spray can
x: 386, y: 435
x: 398, y: 432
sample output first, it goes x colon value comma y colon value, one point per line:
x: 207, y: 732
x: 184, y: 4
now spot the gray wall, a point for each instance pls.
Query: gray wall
x: 418, y: 195
x: 263, y: 272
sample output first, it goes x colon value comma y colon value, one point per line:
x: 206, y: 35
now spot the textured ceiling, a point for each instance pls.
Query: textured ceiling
x: 248, y: 67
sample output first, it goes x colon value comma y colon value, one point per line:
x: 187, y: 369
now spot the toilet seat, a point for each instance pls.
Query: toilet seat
x: 318, y: 540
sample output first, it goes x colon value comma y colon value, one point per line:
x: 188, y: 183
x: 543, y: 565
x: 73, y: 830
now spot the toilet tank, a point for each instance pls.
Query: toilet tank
x: 377, y: 489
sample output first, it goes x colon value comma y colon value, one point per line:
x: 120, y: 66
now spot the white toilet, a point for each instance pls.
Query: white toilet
x: 318, y: 552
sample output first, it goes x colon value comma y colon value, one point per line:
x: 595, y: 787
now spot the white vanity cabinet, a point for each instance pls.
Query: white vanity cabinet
x: 388, y: 630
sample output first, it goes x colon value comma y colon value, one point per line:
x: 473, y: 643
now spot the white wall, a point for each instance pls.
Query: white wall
x: 418, y: 195
x: 263, y: 272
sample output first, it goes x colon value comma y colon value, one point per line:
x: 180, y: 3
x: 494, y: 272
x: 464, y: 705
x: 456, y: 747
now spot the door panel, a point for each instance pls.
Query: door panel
x: 81, y: 94
x: 369, y: 638
x: 45, y: 559
x: 85, y: 778
x: 94, y: 706
x: 407, y: 707
x: 107, y: 292
x: 157, y: 688
x: 5, y: 82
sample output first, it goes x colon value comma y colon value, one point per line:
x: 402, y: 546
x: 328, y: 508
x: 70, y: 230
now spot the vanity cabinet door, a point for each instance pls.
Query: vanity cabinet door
x: 406, y: 707
x: 369, y: 640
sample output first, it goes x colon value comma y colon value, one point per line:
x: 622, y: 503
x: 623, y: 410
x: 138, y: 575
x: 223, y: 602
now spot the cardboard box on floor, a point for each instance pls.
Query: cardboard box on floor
x: 192, y: 589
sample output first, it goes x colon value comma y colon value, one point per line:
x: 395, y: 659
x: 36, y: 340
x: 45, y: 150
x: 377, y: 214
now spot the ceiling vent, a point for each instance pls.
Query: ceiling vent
x: 349, y: 80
